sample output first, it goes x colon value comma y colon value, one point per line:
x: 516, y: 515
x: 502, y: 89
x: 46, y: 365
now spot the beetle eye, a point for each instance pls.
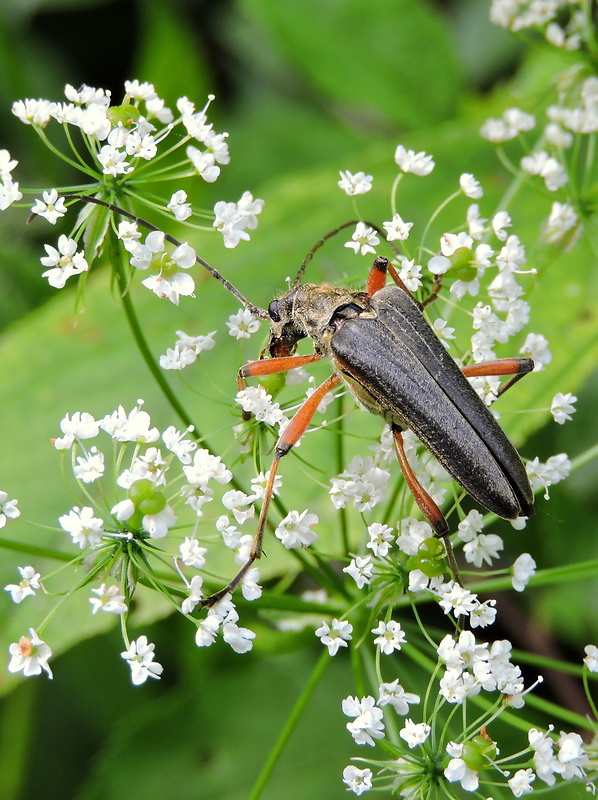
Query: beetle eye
x: 273, y: 311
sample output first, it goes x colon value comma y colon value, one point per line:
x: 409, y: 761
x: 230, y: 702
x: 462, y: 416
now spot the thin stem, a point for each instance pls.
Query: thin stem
x: 289, y: 726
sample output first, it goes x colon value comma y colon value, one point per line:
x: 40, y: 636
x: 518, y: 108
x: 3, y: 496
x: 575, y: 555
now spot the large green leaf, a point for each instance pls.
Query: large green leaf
x: 384, y: 62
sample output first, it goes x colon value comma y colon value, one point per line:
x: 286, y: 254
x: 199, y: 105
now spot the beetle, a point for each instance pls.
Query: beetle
x: 385, y: 352
x: 390, y: 358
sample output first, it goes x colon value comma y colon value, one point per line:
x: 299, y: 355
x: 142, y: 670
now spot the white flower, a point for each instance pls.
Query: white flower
x: 191, y: 554
x: 63, y: 263
x: 140, y: 655
x: 30, y: 655
x: 457, y: 769
x: 361, y: 570
x: 359, y: 183
x: 255, y: 400
x: 364, y: 240
x: 536, y: 347
x: 195, y: 594
x: 232, y: 219
x: 85, y: 529
x: 27, y: 587
x: 90, y: 467
x: 8, y: 509
x: 591, y: 659
x: 397, y: 228
x: 240, y: 639
x: 416, y: 163
x: 108, y: 599
x: 380, y: 538
x: 51, y: 207
x: 7, y: 164
x: 335, y: 635
x: 562, y: 219
x: 157, y: 525
x: 9, y: 194
x: 178, y: 205
x: 470, y: 186
x: 242, y: 324
x: 295, y: 530
x: 393, y: 694
x: 114, y: 161
x: 390, y: 636
x: 521, y: 782
x: 367, y: 724
x: 410, y: 274
x: 414, y: 733
x: 358, y: 780
x: 546, y: 167
x: 562, y: 407
x: 456, y: 599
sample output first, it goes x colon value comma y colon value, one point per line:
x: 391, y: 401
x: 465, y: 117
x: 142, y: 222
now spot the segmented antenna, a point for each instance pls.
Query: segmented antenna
x: 325, y: 238
x: 254, y: 310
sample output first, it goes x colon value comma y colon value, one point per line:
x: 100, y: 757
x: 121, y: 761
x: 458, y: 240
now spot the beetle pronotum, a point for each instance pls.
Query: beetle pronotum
x: 386, y: 353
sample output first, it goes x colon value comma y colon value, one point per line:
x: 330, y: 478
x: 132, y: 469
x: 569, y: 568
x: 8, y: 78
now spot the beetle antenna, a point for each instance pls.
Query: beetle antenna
x: 254, y: 310
x: 324, y: 239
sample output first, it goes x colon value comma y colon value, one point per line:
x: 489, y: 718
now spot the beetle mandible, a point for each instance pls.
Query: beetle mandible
x: 386, y: 353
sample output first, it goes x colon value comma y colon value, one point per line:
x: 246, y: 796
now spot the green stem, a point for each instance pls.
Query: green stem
x: 143, y: 346
x: 289, y: 726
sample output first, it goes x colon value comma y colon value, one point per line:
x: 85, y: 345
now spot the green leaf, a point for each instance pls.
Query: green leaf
x: 387, y: 62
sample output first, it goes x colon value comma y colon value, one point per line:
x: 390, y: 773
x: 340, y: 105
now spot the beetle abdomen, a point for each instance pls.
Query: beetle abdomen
x: 406, y: 373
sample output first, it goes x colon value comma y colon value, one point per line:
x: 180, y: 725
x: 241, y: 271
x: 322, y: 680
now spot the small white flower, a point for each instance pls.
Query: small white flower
x: 457, y: 769
x: 27, y: 587
x: 108, y: 599
x: 255, y: 400
x: 470, y: 186
x: 8, y: 509
x: 242, y: 324
x: 397, y: 229
x: 52, y: 206
x: 536, y: 347
x: 562, y: 407
x: 367, y: 724
x: 191, y: 554
x: 521, y: 782
x: 523, y: 569
x: 64, y: 262
x: 335, y: 635
x: 393, y: 694
x: 85, y: 529
x: 364, y: 240
x: 30, y: 655
x: 416, y: 163
x: 140, y: 655
x: 361, y: 570
x: 359, y: 183
x: 414, y: 733
x: 591, y: 659
x: 390, y: 636
x: 358, y: 780
x: 239, y: 639
x: 295, y: 530
x: 179, y: 206
x: 90, y: 467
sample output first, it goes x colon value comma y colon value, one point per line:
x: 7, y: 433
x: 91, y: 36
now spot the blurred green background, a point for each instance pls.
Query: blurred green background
x: 305, y: 88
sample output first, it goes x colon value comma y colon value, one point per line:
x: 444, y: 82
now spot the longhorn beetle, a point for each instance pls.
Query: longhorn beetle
x: 386, y: 353
x: 383, y: 349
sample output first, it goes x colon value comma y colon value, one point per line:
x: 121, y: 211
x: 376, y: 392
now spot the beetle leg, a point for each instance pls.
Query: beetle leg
x: 271, y: 366
x: 377, y: 277
x: 288, y: 438
x: 427, y: 505
x: 517, y: 367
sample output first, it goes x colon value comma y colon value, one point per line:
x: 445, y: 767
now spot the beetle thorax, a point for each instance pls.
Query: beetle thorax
x: 312, y: 310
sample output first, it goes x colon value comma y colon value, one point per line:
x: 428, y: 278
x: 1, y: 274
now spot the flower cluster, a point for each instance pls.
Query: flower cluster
x: 121, y: 145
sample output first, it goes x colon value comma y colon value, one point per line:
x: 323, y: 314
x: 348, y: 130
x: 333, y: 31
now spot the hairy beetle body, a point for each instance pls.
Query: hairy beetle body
x: 390, y: 358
